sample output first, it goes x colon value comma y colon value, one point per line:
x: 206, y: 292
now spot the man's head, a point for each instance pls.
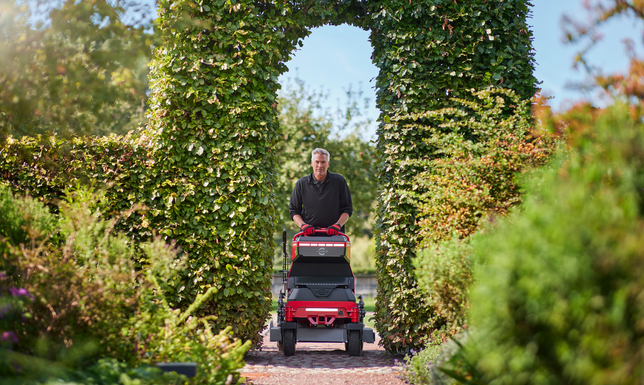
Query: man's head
x: 320, y: 162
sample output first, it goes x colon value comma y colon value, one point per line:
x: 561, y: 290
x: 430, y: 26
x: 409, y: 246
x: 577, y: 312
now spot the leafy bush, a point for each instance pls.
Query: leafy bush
x: 442, y: 364
x: 106, y: 371
x: 417, y: 368
x: 84, y: 288
x: 431, y: 53
x: 124, y: 167
x: 23, y: 219
x: 83, y: 298
x: 44, y: 167
x: 559, y: 299
x: 444, y: 273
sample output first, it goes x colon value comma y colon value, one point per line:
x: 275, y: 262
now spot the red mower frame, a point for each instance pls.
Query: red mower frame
x: 318, y: 302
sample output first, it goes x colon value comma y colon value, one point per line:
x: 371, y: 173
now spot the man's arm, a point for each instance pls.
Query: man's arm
x: 343, y: 219
x: 298, y: 219
x: 346, y: 205
x: 295, y: 204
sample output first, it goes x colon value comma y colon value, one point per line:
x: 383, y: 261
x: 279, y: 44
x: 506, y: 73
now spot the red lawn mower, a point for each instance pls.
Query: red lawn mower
x: 319, y: 289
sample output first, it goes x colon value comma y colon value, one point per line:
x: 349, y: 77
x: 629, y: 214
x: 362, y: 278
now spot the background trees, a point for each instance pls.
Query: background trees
x: 73, y: 67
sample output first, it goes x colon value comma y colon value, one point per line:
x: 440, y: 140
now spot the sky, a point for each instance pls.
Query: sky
x: 336, y: 57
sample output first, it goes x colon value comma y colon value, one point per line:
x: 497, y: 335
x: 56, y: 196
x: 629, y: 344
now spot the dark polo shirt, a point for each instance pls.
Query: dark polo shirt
x: 321, y: 203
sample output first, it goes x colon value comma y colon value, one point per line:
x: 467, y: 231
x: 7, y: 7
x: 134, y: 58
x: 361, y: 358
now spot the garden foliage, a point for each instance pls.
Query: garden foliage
x: 70, y: 295
x: 559, y: 299
x: 214, y: 128
x: 473, y: 180
x: 479, y: 147
x: 45, y: 168
x: 420, y: 367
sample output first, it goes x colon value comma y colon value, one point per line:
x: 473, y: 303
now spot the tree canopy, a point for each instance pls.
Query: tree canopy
x: 73, y: 67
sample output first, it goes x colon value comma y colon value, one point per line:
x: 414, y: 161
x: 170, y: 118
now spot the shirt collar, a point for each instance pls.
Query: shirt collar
x: 325, y: 181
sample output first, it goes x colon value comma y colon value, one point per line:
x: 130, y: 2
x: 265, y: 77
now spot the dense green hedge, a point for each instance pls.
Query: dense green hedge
x: 473, y: 181
x: 70, y: 294
x: 47, y: 167
x: 214, y: 125
x: 430, y: 52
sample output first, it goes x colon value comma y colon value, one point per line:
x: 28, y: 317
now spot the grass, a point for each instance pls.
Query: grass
x: 369, y: 303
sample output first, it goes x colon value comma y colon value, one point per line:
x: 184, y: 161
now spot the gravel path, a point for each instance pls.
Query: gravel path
x: 320, y: 364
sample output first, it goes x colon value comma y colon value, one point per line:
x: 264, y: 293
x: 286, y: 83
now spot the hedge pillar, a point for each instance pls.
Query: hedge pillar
x: 214, y: 125
x: 428, y: 53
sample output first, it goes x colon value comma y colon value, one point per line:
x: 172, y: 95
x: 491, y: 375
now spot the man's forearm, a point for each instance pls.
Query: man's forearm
x: 298, y: 219
x: 343, y: 219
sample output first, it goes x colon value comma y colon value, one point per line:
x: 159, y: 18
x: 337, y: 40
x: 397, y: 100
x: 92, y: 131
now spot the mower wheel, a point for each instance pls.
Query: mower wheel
x: 289, y: 342
x: 354, y: 342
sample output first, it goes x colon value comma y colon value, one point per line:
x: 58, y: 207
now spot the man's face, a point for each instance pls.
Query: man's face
x: 320, y: 164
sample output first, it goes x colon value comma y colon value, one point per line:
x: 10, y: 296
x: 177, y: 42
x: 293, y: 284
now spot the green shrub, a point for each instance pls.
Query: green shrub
x: 560, y: 298
x: 84, y: 289
x: 106, y: 371
x: 44, y: 167
x: 21, y: 220
x: 109, y: 371
x: 124, y: 168
x: 419, y: 368
x: 430, y: 53
x: 444, y: 274
x: 86, y: 300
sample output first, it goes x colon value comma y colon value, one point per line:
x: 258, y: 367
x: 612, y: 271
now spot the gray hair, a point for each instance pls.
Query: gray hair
x: 321, y: 151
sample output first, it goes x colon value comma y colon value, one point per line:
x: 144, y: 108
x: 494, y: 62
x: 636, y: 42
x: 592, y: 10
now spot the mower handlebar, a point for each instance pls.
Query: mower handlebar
x: 318, y: 230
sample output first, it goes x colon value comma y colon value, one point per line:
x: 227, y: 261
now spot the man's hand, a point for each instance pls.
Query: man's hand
x: 307, y: 229
x: 334, y: 229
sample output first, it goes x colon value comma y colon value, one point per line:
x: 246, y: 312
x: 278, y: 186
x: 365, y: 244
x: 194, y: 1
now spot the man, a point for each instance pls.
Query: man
x: 321, y: 199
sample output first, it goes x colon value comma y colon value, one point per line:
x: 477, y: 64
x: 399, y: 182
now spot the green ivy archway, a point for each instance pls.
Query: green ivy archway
x: 214, y: 125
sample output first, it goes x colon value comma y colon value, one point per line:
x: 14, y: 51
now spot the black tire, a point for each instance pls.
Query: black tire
x: 289, y: 342
x: 354, y: 343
